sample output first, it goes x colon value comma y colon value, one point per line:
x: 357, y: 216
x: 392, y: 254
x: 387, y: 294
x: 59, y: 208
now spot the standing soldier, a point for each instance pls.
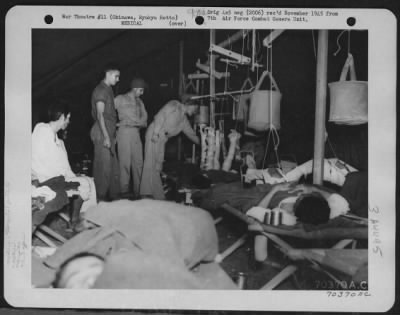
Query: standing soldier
x: 132, y: 116
x: 168, y: 122
x: 103, y: 132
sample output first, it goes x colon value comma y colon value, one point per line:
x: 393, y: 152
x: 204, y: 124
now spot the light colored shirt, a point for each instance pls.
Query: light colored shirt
x: 131, y: 111
x: 171, y: 120
x: 49, y: 156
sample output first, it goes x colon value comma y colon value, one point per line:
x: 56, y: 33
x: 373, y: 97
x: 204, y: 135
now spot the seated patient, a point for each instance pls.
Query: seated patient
x: 50, y: 159
x: 145, y: 244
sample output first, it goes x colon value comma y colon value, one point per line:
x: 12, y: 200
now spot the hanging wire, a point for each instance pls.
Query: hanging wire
x: 314, y: 45
x: 226, y: 67
x: 338, y: 44
x: 272, y: 131
x: 248, y: 42
x: 348, y: 43
x: 266, y: 150
x: 222, y: 105
x: 331, y: 147
x: 275, y: 136
x: 241, y: 93
x: 226, y: 77
x: 211, y: 68
x: 259, y: 54
x: 271, y: 65
x: 259, y: 51
x: 242, y: 43
x: 277, y: 142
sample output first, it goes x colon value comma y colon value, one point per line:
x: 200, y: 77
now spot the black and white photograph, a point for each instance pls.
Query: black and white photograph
x: 234, y: 158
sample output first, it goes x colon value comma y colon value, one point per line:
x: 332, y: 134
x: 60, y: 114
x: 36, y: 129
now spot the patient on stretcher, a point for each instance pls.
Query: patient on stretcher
x: 350, y: 192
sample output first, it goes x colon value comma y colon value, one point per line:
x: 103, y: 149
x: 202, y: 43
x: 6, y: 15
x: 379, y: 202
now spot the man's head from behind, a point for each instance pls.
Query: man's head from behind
x: 79, y: 272
x: 59, y: 114
x: 312, y: 208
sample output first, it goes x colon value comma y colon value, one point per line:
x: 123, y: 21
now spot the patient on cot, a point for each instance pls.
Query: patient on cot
x: 309, y: 204
x: 285, y: 196
x: 314, y: 205
x: 144, y: 244
x: 350, y: 192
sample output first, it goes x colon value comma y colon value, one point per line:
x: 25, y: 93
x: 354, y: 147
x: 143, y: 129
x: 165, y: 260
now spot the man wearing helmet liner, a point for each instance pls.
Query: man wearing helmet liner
x: 132, y: 116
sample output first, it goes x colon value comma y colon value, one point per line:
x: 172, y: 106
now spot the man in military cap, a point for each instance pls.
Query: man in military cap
x: 132, y: 116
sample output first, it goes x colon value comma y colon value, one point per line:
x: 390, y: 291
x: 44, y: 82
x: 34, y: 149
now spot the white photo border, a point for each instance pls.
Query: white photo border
x: 381, y: 26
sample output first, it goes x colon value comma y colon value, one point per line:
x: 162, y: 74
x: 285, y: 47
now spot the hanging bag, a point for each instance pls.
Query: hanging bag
x: 242, y: 109
x: 265, y: 106
x: 348, y: 99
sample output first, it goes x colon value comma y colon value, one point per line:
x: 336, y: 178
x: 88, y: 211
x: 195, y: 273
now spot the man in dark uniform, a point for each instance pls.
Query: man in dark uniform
x: 103, y: 131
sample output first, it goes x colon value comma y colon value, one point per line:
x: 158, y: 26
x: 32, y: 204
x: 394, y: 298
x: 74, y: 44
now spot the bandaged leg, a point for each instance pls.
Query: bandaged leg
x: 210, y: 148
x: 203, y: 136
x: 234, y: 137
x: 332, y: 172
x: 274, y: 178
x: 217, y: 165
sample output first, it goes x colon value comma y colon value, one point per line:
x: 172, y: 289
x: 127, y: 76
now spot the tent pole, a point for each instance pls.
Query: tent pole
x: 320, y: 108
x: 180, y: 92
x: 212, y: 81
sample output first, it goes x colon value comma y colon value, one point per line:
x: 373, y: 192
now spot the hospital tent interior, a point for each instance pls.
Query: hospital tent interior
x: 222, y: 72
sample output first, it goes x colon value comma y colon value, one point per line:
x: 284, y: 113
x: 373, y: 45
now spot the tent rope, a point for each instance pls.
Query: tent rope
x: 314, y: 45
